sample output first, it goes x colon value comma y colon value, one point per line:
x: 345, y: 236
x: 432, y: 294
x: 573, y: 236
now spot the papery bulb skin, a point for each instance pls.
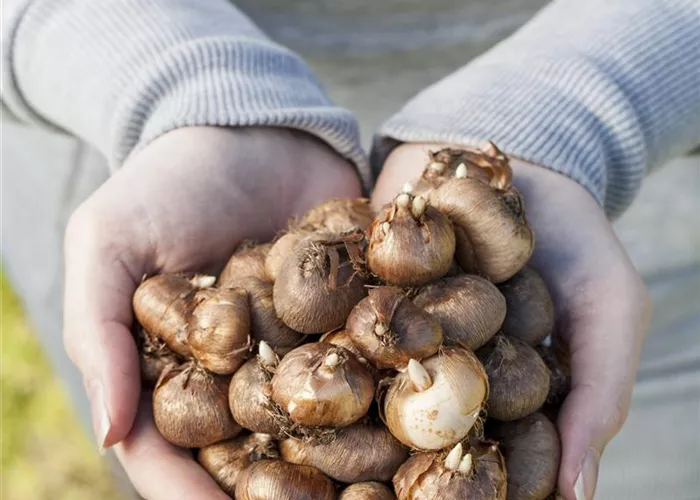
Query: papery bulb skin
x: 530, y: 315
x: 163, y: 305
x: 190, y: 407
x: 370, y: 490
x: 493, y: 236
x: 532, y: 452
x: 319, y: 283
x: 389, y: 330
x: 435, y: 403
x: 268, y: 479
x: 247, y: 262
x: 470, y: 309
x: 338, y: 215
x: 224, y: 461
x: 359, y: 452
x: 250, y: 402
x: 220, y: 329
x: 320, y: 384
x: 518, y: 378
x: 479, y: 474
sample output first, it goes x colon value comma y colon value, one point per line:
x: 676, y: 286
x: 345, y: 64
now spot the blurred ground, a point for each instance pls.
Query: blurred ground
x: 44, y: 451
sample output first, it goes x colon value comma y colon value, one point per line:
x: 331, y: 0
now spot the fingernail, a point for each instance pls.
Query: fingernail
x: 585, y: 485
x: 100, y: 415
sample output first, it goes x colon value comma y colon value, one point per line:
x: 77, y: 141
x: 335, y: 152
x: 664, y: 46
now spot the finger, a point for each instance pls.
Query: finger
x: 159, y: 470
x: 97, y: 318
x: 604, y: 329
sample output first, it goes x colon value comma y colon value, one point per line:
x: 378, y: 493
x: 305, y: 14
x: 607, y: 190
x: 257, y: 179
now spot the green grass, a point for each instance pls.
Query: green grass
x: 44, y: 453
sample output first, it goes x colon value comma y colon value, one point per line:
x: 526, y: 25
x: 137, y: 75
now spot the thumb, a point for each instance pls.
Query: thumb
x: 605, y: 331
x: 97, y: 319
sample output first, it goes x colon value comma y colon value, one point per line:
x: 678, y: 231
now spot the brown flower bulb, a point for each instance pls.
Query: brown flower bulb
x: 370, y: 490
x: 470, y: 309
x: 155, y: 357
x: 493, y: 236
x: 442, y: 166
x: 320, y: 384
x: 318, y: 284
x: 268, y: 479
x: 389, y: 330
x: 248, y: 261
x: 226, y: 460
x: 282, y: 248
x: 532, y: 452
x: 559, y: 377
x: 338, y: 215
x: 410, y: 242
x: 518, y: 378
x: 478, y: 474
x: 190, y: 407
x: 435, y: 403
x: 359, y: 452
x: 530, y: 315
x: 220, y: 329
x: 163, y: 304
x: 249, y: 394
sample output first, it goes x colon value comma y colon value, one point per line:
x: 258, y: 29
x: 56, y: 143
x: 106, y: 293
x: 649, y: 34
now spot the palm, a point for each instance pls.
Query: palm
x: 601, y: 304
x: 183, y: 203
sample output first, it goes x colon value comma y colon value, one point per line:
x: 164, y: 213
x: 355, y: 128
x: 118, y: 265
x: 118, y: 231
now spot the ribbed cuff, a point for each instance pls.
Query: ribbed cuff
x: 233, y: 83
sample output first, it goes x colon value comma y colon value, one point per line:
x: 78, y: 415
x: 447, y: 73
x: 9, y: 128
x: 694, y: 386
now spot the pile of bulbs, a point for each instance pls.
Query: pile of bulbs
x: 368, y: 356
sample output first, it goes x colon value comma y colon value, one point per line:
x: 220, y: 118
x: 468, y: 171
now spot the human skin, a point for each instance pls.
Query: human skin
x: 182, y: 203
x: 602, y: 306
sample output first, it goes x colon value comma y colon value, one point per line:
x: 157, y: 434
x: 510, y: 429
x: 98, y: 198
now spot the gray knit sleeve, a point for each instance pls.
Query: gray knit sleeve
x: 600, y: 91
x: 119, y: 73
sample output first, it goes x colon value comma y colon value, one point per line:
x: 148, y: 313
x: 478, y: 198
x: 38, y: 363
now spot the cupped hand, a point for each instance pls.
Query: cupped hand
x: 602, y: 306
x: 181, y: 204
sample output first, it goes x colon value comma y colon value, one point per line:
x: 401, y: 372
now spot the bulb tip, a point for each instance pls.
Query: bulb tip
x: 465, y: 466
x: 266, y: 354
x: 419, y: 206
x: 461, y: 172
x: 419, y: 375
x: 453, y: 458
x: 437, y: 166
x: 332, y: 360
x: 407, y: 188
x: 203, y: 281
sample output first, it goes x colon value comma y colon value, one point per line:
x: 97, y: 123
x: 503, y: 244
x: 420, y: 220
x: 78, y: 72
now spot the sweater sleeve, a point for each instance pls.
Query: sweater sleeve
x: 119, y: 73
x: 600, y: 91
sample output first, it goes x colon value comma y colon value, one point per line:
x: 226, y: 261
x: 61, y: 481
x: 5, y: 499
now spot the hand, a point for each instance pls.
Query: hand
x: 182, y: 203
x: 602, y: 306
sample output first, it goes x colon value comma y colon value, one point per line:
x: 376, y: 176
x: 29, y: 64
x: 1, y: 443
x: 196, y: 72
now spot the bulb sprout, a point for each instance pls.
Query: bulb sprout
x: 407, y: 188
x: 461, y: 172
x: 491, y: 149
x: 437, y: 166
x: 453, y: 458
x: 403, y: 200
x: 267, y: 355
x: 419, y: 206
x: 203, y: 281
x: 465, y: 466
x: 419, y: 376
x: 332, y: 360
x: 380, y: 329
